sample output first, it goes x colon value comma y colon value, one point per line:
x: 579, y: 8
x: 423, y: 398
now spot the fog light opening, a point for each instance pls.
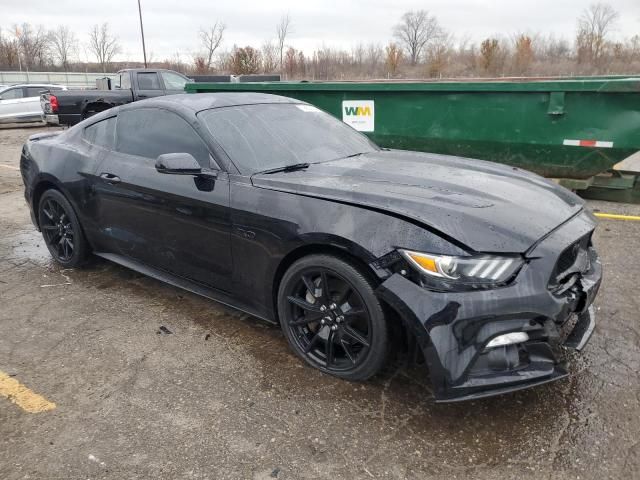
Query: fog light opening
x: 508, y: 339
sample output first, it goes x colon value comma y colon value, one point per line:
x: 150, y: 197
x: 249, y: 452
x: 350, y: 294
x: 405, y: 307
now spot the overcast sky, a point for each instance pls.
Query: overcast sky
x: 171, y: 25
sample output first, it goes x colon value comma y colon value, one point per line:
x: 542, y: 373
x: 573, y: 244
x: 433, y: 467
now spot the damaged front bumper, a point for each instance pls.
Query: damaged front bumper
x: 550, y: 308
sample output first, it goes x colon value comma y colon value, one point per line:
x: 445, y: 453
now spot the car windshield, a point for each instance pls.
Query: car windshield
x: 267, y: 136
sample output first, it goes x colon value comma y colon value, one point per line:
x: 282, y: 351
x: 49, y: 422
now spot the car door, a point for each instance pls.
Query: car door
x: 11, y: 104
x: 93, y: 143
x: 177, y: 223
x: 32, y: 107
x: 149, y: 85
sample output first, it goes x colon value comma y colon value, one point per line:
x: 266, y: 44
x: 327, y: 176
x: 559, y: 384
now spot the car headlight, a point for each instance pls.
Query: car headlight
x: 475, y: 271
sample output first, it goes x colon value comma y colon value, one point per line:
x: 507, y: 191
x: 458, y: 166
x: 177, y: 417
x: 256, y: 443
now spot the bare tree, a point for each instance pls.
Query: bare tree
x: 291, y: 62
x: 358, y: 53
x: 634, y: 47
x: 393, y: 58
x: 594, y: 25
x: 103, y: 45
x: 523, y: 54
x: 211, y: 40
x: 9, y: 52
x: 200, y: 65
x: 32, y: 44
x: 465, y: 63
x: 63, y: 44
x: 373, y: 58
x: 175, y: 63
x: 438, y: 55
x: 302, y: 64
x: 283, y: 29
x: 245, y: 61
x: 490, y: 55
x: 269, y: 57
x: 415, y: 31
x: 549, y: 47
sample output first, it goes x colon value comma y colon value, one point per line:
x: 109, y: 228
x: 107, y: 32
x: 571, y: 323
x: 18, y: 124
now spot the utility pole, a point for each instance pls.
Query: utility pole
x: 144, y: 50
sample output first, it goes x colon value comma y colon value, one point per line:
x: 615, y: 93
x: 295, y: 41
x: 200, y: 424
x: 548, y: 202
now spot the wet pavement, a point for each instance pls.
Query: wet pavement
x: 153, y: 382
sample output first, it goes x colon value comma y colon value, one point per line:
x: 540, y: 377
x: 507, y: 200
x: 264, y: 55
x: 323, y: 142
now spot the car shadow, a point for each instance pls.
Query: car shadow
x: 398, y: 403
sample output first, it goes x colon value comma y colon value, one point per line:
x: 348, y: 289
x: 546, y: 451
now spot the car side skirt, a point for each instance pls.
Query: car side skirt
x: 180, y: 282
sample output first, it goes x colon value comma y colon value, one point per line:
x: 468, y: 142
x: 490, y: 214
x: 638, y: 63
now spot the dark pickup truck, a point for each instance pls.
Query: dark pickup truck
x: 72, y: 106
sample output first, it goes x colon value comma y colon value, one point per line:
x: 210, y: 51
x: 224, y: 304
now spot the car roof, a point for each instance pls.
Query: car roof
x: 196, y: 102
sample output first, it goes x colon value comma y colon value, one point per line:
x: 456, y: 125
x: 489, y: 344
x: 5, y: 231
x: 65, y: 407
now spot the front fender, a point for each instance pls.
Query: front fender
x: 269, y: 226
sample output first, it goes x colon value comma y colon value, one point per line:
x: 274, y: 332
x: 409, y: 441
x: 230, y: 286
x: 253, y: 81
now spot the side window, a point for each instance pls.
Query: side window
x: 35, y: 91
x: 125, y: 80
x: 12, y: 93
x: 150, y: 132
x: 101, y: 133
x: 148, y: 81
x: 173, y: 81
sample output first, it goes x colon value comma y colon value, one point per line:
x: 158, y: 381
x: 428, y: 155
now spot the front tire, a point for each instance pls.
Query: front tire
x: 61, y: 230
x: 332, y: 318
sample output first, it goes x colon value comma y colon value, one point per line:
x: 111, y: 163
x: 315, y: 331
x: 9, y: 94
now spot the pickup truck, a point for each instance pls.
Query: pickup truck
x: 72, y: 106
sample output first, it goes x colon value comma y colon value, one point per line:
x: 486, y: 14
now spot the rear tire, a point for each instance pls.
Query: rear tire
x: 61, y: 230
x: 332, y: 318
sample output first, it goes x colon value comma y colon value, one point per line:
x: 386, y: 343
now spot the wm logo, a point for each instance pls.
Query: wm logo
x: 358, y: 111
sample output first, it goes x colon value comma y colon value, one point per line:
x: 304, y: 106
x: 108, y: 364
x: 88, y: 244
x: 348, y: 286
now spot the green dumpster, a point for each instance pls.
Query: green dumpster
x: 559, y: 128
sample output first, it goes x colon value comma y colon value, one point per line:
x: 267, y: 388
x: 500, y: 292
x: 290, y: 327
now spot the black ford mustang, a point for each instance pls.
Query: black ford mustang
x: 268, y: 204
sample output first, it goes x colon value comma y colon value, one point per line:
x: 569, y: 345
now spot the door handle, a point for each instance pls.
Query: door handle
x: 110, y: 178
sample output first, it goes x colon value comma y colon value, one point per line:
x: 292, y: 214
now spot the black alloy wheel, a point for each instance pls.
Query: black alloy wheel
x: 61, y: 230
x: 332, y: 318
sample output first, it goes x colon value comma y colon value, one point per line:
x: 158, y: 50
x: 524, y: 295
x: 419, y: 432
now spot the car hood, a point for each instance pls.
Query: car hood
x: 486, y: 206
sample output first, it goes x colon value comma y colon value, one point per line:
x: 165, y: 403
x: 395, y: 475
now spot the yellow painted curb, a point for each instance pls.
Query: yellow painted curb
x: 22, y: 396
x: 613, y: 216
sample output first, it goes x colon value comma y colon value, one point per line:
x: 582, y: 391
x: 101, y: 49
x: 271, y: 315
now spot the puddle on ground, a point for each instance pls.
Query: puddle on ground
x: 25, y: 246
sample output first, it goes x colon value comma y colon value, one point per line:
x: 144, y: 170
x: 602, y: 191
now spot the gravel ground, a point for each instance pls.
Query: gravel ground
x: 221, y: 396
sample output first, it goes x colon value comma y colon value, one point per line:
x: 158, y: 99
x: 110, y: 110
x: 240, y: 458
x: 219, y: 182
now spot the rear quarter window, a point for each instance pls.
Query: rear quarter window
x: 101, y: 133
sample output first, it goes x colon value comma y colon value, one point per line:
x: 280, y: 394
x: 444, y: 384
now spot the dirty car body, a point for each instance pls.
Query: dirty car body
x: 491, y: 269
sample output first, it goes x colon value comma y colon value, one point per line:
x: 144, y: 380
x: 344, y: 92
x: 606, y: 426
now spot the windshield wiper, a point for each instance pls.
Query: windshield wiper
x: 287, y: 168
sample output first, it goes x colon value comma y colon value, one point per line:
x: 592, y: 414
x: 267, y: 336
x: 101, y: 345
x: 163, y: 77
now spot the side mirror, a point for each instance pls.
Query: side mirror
x: 178, y: 164
x: 183, y: 164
